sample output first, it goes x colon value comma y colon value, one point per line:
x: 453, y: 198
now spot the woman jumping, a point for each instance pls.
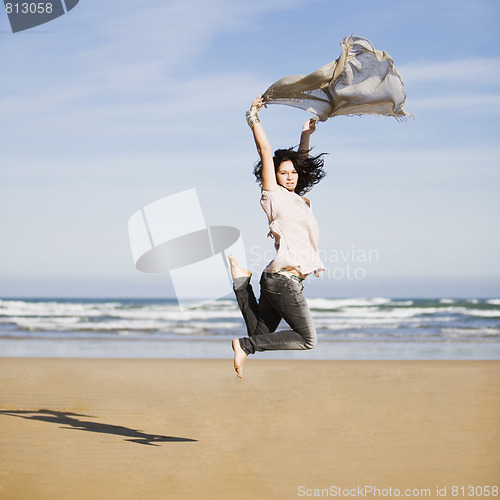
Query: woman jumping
x: 284, y: 178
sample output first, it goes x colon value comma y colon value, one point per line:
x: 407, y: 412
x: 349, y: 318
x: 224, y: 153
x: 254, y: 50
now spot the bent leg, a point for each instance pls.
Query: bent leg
x: 286, y: 298
x: 260, y: 317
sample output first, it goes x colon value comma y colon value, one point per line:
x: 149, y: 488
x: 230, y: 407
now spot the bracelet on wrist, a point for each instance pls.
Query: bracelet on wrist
x: 252, y: 118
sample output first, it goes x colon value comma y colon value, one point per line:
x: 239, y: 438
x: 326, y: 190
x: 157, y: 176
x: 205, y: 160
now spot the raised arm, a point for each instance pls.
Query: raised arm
x: 308, y: 128
x: 263, y: 147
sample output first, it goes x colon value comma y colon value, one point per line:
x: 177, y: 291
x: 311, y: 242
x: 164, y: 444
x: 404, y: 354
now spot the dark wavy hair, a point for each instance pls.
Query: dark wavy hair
x: 309, y: 168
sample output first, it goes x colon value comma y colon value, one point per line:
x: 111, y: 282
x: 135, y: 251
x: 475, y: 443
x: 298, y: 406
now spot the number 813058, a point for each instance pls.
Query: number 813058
x: 28, y: 8
x: 474, y: 491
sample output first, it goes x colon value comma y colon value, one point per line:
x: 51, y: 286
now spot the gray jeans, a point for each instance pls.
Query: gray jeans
x: 280, y: 298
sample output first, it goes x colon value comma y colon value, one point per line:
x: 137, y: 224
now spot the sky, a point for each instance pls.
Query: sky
x: 117, y: 104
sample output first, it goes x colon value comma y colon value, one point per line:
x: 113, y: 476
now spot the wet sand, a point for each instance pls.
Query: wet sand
x: 189, y: 429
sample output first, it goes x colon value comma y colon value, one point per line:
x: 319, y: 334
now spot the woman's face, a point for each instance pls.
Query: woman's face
x: 287, y: 176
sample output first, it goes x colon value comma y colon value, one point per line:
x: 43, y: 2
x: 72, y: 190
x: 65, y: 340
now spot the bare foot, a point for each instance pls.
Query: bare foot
x: 236, y: 270
x: 239, y: 358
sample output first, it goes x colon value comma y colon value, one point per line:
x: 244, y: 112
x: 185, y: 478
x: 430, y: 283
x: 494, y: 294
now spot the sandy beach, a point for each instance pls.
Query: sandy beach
x: 189, y: 429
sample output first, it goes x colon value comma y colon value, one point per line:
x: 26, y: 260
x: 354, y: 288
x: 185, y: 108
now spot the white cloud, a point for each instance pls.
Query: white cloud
x: 464, y: 86
x: 132, y: 74
x: 468, y: 104
x: 128, y: 47
x: 470, y: 72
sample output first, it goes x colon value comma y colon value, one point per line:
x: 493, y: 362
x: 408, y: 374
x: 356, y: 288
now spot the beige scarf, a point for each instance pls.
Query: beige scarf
x: 361, y: 81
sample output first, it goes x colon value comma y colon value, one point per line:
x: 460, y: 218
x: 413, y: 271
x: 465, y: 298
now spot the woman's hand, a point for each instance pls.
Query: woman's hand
x: 309, y: 126
x: 257, y: 103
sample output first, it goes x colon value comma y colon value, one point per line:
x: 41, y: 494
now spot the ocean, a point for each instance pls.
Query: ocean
x: 356, y: 328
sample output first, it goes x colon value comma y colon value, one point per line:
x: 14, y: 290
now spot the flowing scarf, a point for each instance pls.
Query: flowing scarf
x: 361, y: 81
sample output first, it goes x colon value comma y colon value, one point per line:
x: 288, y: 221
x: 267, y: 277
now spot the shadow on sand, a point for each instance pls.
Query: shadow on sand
x: 70, y: 421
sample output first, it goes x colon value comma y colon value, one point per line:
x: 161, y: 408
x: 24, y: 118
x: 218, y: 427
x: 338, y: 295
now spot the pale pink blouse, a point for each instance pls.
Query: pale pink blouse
x: 295, y: 232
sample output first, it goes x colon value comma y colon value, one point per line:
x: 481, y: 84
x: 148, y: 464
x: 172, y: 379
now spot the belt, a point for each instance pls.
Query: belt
x: 290, y: 275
